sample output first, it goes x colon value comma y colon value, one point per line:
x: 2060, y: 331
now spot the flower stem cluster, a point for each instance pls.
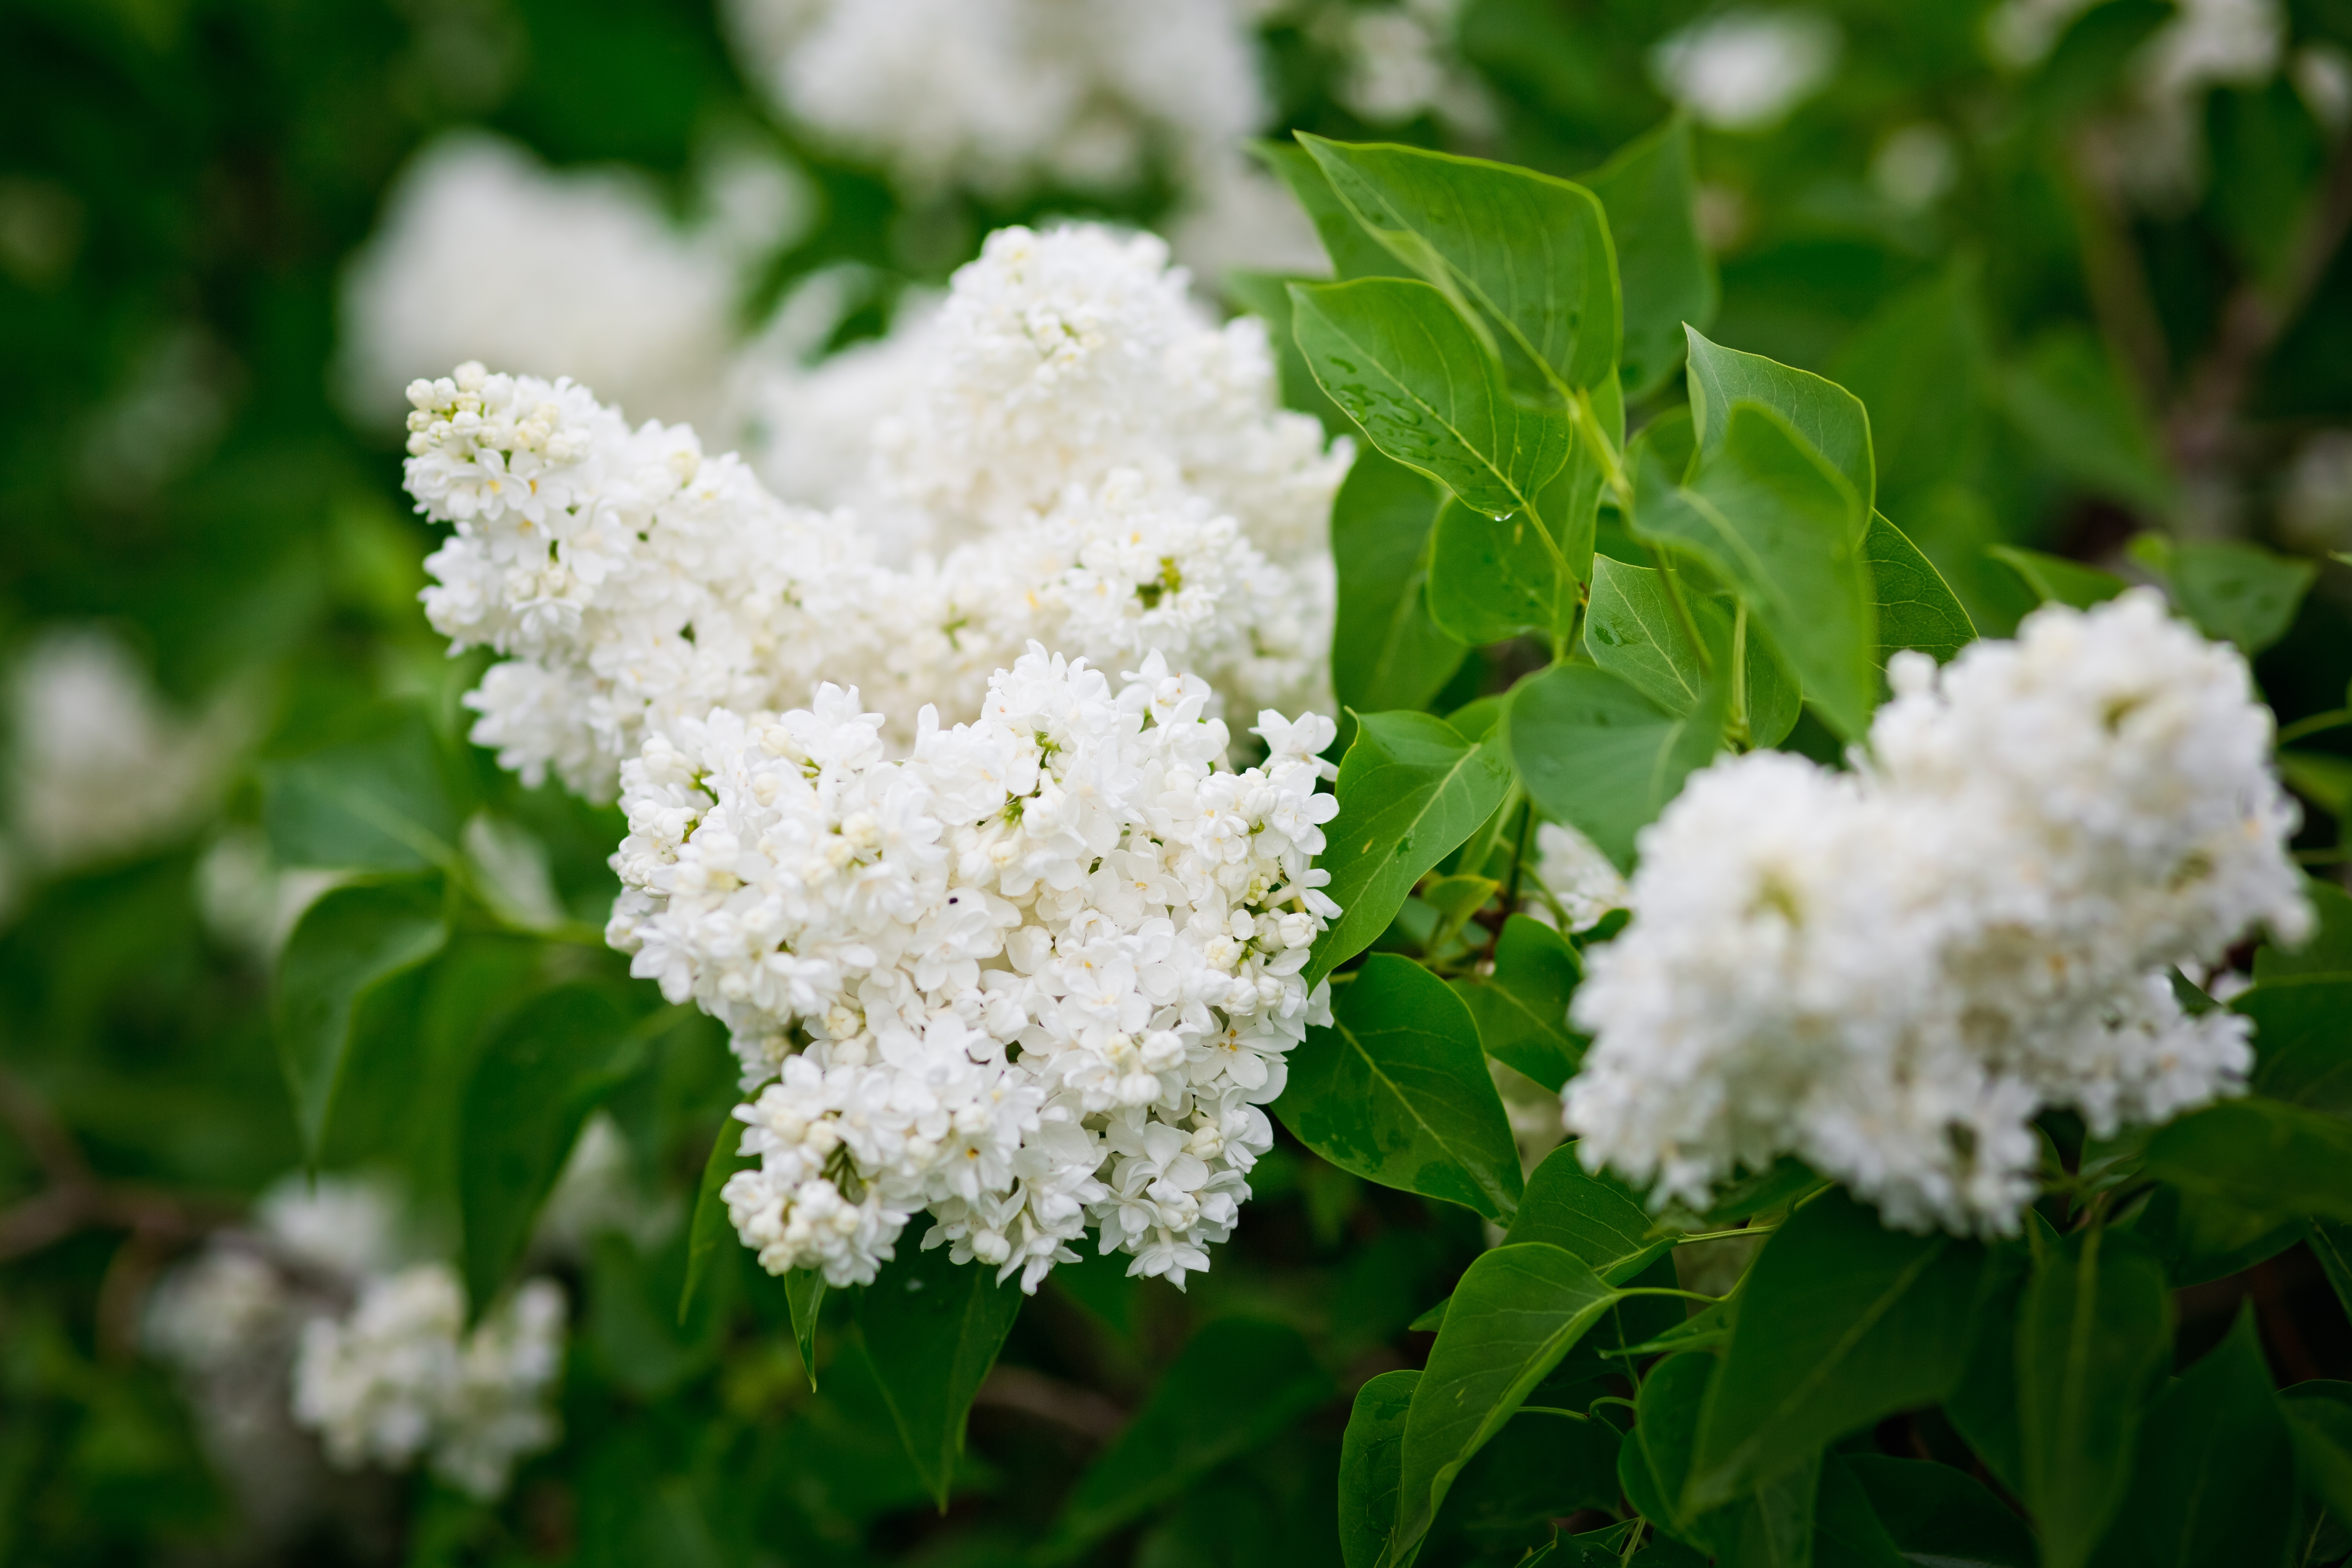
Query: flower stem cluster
x: 1041, y: 973
x: 1890, y: 972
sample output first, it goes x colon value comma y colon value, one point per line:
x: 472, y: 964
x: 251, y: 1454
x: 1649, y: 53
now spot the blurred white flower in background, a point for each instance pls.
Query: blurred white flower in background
x: 249, y: 902
x: 484, y: 251
x: 998, y: 96
x: 2153, y: 150
x: 1915, y: 167
x: 1746, y: 69
x: 2316, y: 498
x: 101, y: 765
x: 314, y: 1318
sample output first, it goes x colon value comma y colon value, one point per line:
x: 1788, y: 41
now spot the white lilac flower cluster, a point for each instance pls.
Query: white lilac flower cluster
x: 1073, y: 455
x: 1889, y: 973
x: 312, y: 1314
x: 400, y: 1377
x: 999, y: 96
x: 1038, y: 975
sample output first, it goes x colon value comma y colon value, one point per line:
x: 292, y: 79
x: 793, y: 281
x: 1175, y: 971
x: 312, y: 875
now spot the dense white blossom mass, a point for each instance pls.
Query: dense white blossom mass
x: 1002, y: 95
x: 1889, y: 973
x: 312, y: 1314
x: 1073, y: 455
x: 1037, y: 975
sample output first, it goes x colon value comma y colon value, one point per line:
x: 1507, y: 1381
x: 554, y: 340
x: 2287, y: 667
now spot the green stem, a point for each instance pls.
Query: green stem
x: 1667, y: 1291
x: 1682, y: 611
x: 1727, y: 1235
x: 2313, y: 725
x: 1553, y: 1410
x: 1739, y: 673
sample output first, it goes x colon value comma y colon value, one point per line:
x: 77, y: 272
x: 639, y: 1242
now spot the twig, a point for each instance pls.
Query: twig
x: 2251, y: 323
x: 77, y: 1198
x: 1080, y: 1410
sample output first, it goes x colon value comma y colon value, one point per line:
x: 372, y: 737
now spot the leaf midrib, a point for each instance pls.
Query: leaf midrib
x: 1504, y: 1209
x: 1837, y: 1353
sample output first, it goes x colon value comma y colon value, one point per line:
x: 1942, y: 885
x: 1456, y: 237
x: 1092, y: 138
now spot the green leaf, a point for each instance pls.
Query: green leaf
x: 1841, y: 1323
x: 1597, y: 1217
x: 1934, y: 1513
x: 2328, y: 949
x: 1917, y: 608
x: 2057, y: 581
x: 1237, y: 1383
x: 2199, y: 1238
x: 2332, y: 1245
x: 708, y: 1233
x: 1829, y: 418
x: 2320, y: 778
x: 1492, y: 578
x: 1371, y: 1459
x: 1521, y: 1009
x: 1650, y: 190
x: 1983, y: 1408
x: 1770, y: 514
x: 2070, y: 400
x: 2237, y: 592
x: 1596, y: 753
x: 1411, y: 791
x: 1539, y: 1467
x: 1397, y: 1092
x: 1918, y: 364
x: 1406, y: 368
x: 1526, y: 255
x: 1847, y: 1531
x: 2094, y: 1339
x: 1354, y: 253
x: 932, y: 1329
x: 1387, y: 652
x: 1654, y: 1465
x: 1517, y: 1311
x: 1631, y: 629
x: 343, y: 952
x: 551, y: 1063
x: 2319, y: 1418
x: 2303, y: 1039
x: 2215, y: 1478
x: 381, y: 797
x: 804, y: 1292
x: 2260, y: 1154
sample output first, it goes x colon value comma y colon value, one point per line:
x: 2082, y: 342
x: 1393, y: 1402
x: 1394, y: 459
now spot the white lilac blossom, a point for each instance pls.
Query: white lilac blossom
x: 400, y: 1378
x: 484, y: 253
x: 310, y: 1319
x: 1079, y: 458
x: 100, y: 764
x: 1889, y: 973
x: 1037, y: 975
x: 1001, y: 96
x: 1745, y: 69
x: 1580, y: 880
